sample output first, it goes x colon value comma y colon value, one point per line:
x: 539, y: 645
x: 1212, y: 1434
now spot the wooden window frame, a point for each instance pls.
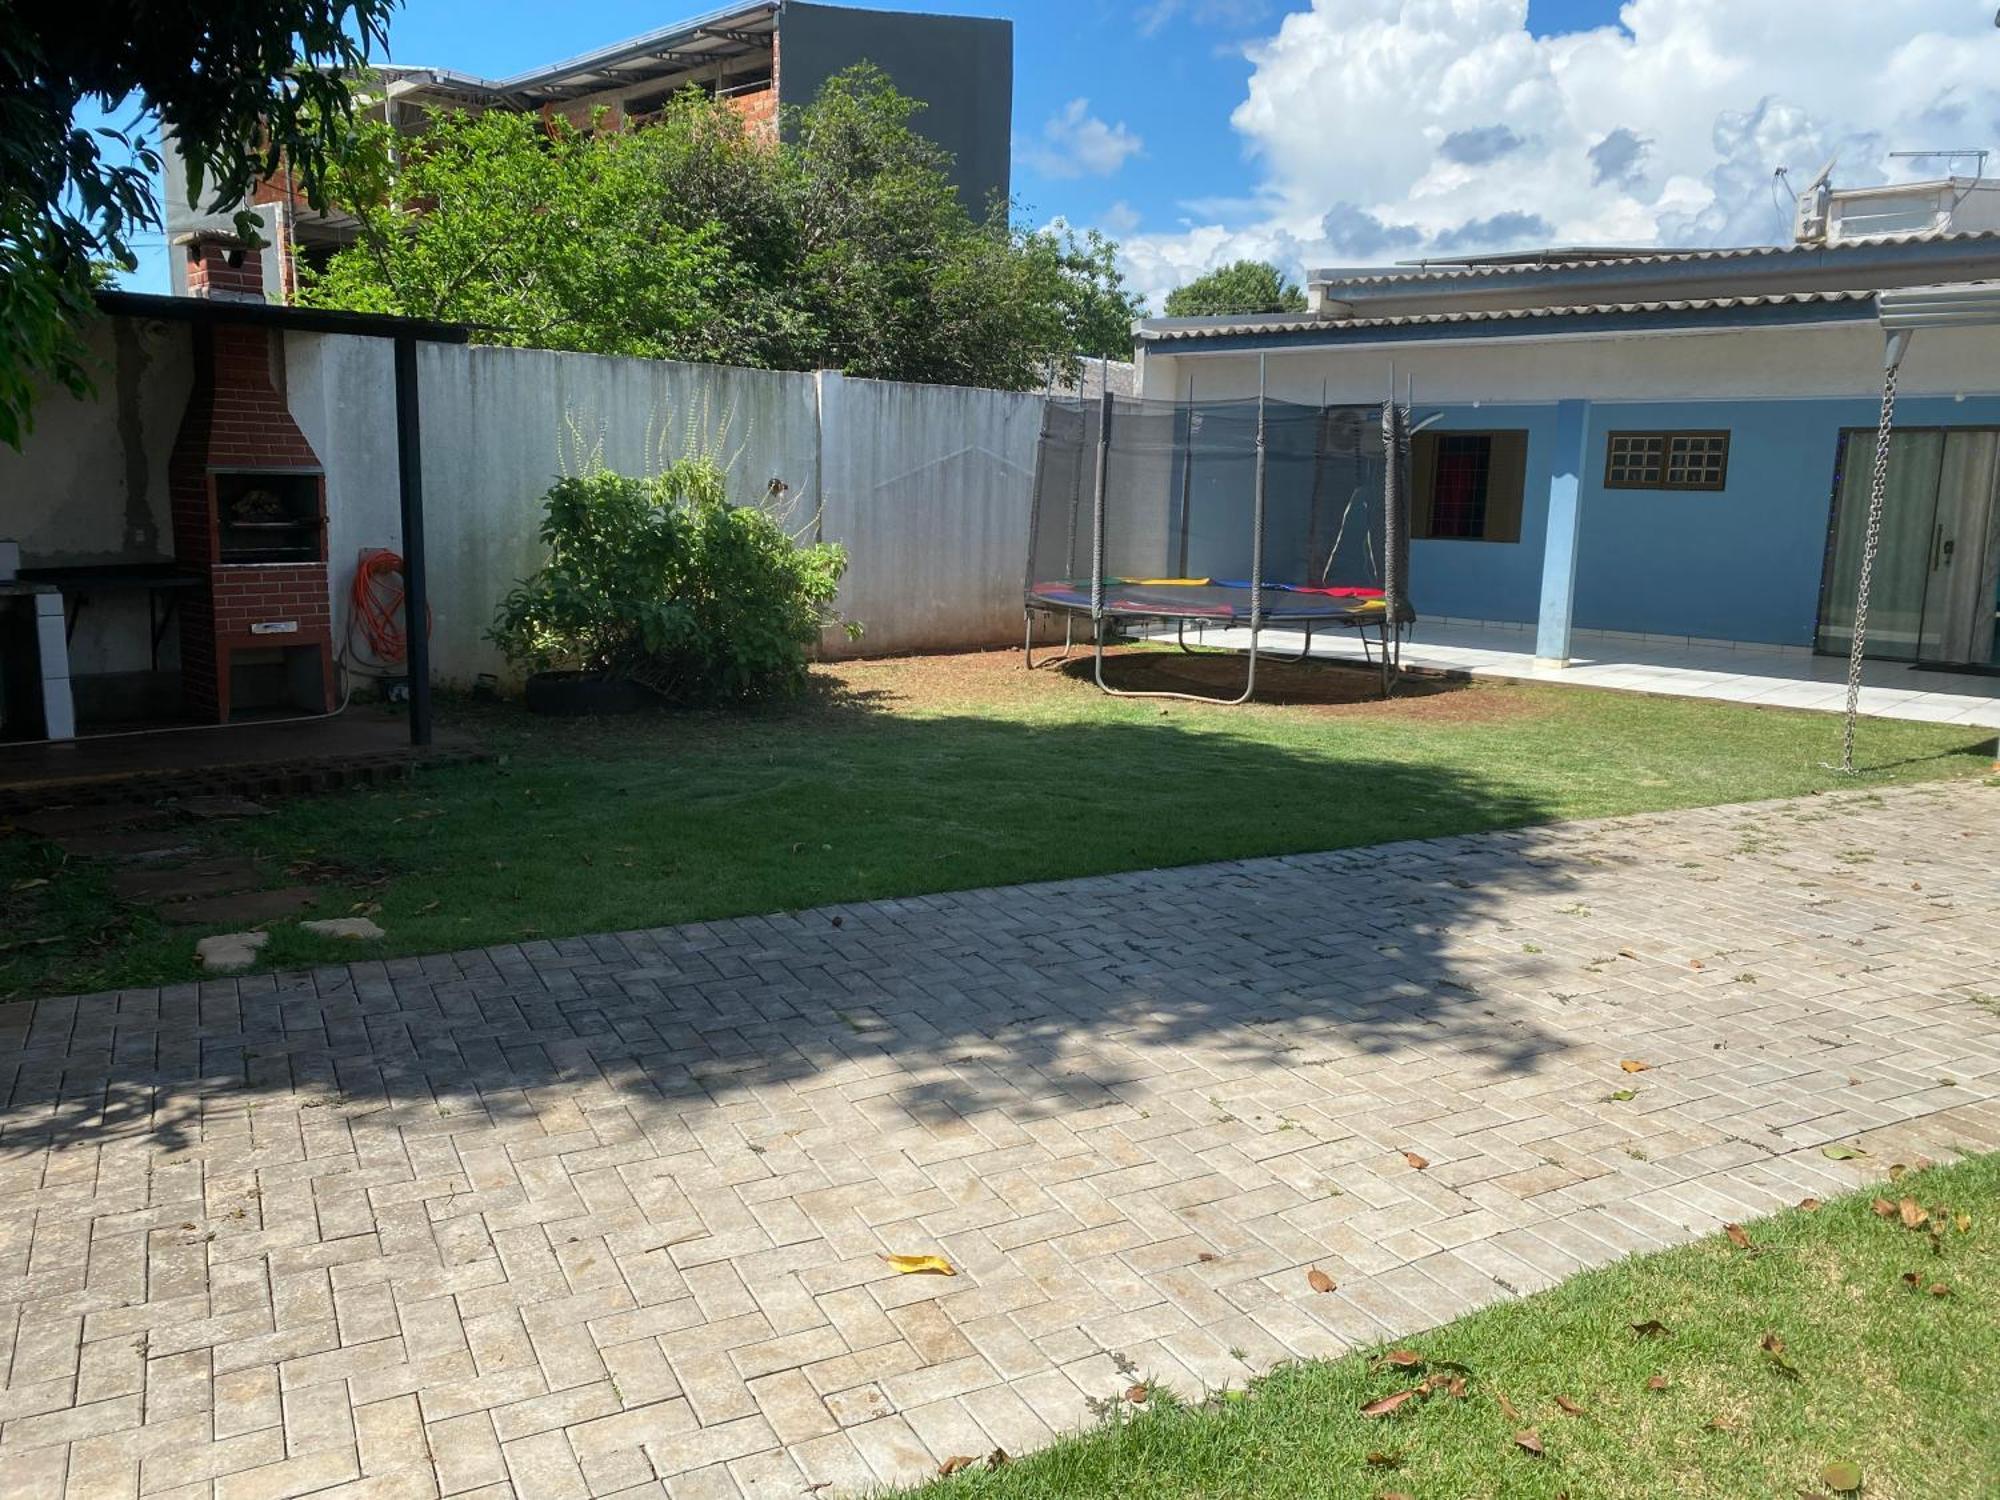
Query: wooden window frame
x: 1666, y: 438
x: 1507, y: 484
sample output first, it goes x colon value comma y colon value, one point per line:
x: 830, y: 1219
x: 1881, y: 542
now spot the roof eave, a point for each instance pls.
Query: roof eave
x: 730, y: 18
x: 1719, y: 260
x: 1543, y: 323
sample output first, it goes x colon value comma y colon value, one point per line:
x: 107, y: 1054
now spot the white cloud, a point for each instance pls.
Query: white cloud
x: 1119, y: 219
x: 1075, y: 143
x: 1155, y: 15
x: 1389, y: 129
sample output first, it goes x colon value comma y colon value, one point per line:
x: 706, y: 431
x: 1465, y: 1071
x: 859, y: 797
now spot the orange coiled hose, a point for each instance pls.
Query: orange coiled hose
x: 376, y: 597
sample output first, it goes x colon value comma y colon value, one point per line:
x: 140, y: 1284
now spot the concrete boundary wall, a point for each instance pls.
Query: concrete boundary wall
x: 929, y: 489
x: 927, y: 486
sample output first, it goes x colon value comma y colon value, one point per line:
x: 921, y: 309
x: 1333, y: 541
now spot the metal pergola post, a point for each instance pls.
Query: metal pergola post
x: 410, y: 486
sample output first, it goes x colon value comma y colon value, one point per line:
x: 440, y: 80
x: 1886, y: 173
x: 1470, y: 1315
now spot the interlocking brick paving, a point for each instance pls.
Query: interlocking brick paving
x: 603, y: 1216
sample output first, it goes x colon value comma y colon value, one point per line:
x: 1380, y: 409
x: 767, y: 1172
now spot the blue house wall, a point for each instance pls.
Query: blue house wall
x: 1743, y: 563
x: 1490, y: 580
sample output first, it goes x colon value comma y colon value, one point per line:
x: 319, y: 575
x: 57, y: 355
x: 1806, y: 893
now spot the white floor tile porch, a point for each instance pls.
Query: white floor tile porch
x: 1777, y: 676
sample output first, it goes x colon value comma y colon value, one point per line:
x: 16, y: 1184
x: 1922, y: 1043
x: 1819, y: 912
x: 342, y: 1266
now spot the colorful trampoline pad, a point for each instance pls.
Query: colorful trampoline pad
x: 1213, y: 601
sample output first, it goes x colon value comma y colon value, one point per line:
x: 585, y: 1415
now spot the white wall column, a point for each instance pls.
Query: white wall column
x: 1559, y: 548
x: 52, y: 643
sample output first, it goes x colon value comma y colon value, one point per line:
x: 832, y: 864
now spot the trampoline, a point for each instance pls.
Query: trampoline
x: 1248, y: 514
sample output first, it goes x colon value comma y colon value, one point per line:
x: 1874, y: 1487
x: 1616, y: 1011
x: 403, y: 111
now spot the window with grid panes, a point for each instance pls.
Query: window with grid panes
x: 1666, y: 461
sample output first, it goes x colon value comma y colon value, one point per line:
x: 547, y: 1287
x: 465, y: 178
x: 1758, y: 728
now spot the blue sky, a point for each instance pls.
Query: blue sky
x: 1174, y: 86
x: 1355, y: 131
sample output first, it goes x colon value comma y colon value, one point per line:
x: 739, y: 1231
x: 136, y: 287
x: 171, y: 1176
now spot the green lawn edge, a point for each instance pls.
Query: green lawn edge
x: 1888, y: 1377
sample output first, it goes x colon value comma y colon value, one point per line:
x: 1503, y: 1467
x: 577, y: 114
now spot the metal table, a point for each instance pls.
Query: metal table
x: 164, y: 583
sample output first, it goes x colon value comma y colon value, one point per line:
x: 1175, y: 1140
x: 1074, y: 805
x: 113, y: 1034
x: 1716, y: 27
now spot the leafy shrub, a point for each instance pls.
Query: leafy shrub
x: 661, y: 580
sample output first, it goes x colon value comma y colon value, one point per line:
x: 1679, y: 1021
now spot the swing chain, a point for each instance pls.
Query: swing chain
x: 1878, y: 488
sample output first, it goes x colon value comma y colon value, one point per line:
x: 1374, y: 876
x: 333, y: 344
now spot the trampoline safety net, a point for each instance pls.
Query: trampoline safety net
x: 1163, y: 511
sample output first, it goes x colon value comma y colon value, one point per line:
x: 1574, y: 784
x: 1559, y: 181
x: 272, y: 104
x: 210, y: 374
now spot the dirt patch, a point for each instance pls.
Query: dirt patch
x: 240, y: 909
x: 174, y: 881
x: 1314, y: 687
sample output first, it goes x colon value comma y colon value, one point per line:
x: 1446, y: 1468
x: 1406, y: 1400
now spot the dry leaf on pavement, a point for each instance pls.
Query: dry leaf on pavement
x: 921, y: 1265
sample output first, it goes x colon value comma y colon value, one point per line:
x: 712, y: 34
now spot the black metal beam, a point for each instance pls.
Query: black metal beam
x: 410, y: 477
x: 277, y: 315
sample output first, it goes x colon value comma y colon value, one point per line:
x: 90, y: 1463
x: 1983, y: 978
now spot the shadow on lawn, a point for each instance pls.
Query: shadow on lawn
x: 1221, y: 674
x: 1219, y: 989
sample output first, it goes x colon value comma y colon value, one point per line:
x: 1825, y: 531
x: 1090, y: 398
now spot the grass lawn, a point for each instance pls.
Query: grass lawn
x: 900, y: 777
x: 1883, y: 1376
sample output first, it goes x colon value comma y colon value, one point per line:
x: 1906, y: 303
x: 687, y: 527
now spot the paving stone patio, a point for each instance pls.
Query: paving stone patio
x: 603, y: 1217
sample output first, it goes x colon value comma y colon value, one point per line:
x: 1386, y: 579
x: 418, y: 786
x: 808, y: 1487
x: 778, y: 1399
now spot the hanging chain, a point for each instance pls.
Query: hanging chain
x: 1878, y: 489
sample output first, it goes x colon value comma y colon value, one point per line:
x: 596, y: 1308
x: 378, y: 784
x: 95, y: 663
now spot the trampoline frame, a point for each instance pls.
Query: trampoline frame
x: 1396, y: 437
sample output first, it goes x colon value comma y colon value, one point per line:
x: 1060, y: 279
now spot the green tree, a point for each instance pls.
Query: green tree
x: 1098, y: 308
x: 533, y: 232
x: 704, y: 168
x: 900, y: 281
x: 844, y: 247
x: 241, y: 84
x: 1248, y: 286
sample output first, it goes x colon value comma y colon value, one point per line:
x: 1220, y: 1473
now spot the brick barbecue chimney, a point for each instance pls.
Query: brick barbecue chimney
x: 249, y: 517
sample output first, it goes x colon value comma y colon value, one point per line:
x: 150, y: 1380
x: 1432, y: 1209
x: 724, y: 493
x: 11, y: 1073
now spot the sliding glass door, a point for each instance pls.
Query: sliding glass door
x: 1937, y: 563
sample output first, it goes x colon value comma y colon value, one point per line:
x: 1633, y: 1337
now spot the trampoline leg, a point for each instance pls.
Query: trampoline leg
x: 1028, y: 646
x: 1305, y: 650
x: 1249, y: 681
x: 1201, y: 634
x: 1392, y: 657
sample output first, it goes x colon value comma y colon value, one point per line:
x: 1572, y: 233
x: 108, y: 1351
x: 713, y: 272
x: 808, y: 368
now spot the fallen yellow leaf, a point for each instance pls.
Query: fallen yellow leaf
x: 922, y: 1265
x: 1633, y: 1065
